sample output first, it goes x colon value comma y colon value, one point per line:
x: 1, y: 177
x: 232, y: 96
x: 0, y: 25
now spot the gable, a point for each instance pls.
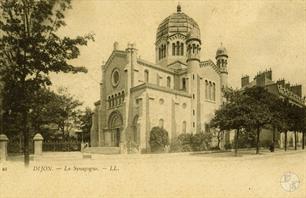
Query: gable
x: 210, y: 63
x: 115, y: 64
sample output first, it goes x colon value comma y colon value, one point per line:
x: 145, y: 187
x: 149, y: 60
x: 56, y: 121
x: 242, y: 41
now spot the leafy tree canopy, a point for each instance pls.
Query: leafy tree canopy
x: 31, y: 48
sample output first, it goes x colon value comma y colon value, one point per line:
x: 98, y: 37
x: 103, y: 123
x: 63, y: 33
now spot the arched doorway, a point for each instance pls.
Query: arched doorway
x: 135, y: 128
x: 115, y: 123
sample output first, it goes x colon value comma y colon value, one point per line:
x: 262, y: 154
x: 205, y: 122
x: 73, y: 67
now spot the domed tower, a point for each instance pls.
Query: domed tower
x: 193, y: 43
x: 171, y: 38
x: 221, y: 58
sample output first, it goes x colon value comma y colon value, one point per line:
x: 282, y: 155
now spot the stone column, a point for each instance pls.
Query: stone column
x: 38, y: 139
x: 3, y: 147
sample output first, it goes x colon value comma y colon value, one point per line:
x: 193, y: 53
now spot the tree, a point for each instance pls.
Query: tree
x: 31, y: 49
x: 51, y: 112
x: 303, y: 127
x: 232, y: 115
x: 85, y: 124
x: 259, y: 100
x: 296, y: 121
x: 200, y: 141
x: 67, y: 111
x: 158, y: 139
x: 219, y: 134
x: 279, y: 119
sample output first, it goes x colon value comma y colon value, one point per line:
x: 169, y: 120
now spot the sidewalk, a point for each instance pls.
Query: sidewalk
x: 78, y: 156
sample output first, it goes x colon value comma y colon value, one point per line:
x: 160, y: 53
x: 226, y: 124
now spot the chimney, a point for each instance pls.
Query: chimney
x: 297, y: 89
x: 116, y: 46
x: 287, y: 86
x: 281, y: 82
x: 245, y: 80
x: 260, y: 80
x: 268, y: 74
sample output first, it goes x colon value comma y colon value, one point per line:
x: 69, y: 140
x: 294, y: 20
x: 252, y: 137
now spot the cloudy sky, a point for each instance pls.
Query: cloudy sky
x: 257, y: 34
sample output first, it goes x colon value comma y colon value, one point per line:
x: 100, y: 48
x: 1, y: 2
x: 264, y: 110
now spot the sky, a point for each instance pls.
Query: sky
x: 258, y: 35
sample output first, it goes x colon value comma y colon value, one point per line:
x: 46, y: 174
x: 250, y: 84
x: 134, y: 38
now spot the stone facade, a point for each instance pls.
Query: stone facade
x: 179, y: 92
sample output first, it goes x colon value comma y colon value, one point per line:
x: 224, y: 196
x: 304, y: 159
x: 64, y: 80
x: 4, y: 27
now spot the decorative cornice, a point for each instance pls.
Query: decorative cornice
x: 159, y: 88
x: 222, y: 55
x: 193, y: 39
x: 193, y: 59
x: 148, y: 64
x: 171, y: 37
x: 289, y: 94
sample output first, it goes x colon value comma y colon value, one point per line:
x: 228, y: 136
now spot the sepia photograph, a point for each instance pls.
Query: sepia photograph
x: 152, y: 98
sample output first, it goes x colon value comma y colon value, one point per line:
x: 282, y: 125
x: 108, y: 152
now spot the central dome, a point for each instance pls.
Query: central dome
x: 177, y: 22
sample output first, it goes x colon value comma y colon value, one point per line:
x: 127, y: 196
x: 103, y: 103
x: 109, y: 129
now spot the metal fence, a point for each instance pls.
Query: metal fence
x: 62, y: 146
x: 15, y: 147
x: 65, y: 146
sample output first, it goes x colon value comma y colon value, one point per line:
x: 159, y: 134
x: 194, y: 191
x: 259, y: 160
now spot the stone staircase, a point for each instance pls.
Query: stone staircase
x: 102, y: 150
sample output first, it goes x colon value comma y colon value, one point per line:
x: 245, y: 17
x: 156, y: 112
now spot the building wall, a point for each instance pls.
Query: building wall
x: 139, y: 76
x: 209, y: 105
x: 151, y: 105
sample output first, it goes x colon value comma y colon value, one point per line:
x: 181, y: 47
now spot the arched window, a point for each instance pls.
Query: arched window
x: 184, y: 127
x: 206, y: 89
x: 182, y: 49
x: 116, y: 98
x: 119, y: 98
x: 146, y: 76
x: 177, y: 48
x: 123, y: 96
x: 159, y: 53
x: 112, y: 103
x: 184, y: 83
x: 218, y: 62
x: 161, y: 123
x: 173, y: 49
x: 109, y: 102
x: 164, y: 51
x: 193, y: 48
x: 135, y: 127
x: 209, y: 91
x: 168, y: 81
x: 214, y: 92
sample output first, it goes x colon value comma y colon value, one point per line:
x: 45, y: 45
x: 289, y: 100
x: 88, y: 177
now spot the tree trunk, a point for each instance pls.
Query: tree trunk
x: 26, y: 135
x: 295, y: 140
x: 303, y: 140
x: 219, y: 139
x: 273, y: 140
x: 236, y: 142
x: 257, y: 140
x: 285, y: 140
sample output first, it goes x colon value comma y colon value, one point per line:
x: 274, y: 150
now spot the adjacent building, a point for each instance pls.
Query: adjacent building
x: 282, y: 89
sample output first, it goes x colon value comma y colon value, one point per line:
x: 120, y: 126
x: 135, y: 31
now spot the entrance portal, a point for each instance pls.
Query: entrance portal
x: 115, y: 125
x: 117, y: 137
